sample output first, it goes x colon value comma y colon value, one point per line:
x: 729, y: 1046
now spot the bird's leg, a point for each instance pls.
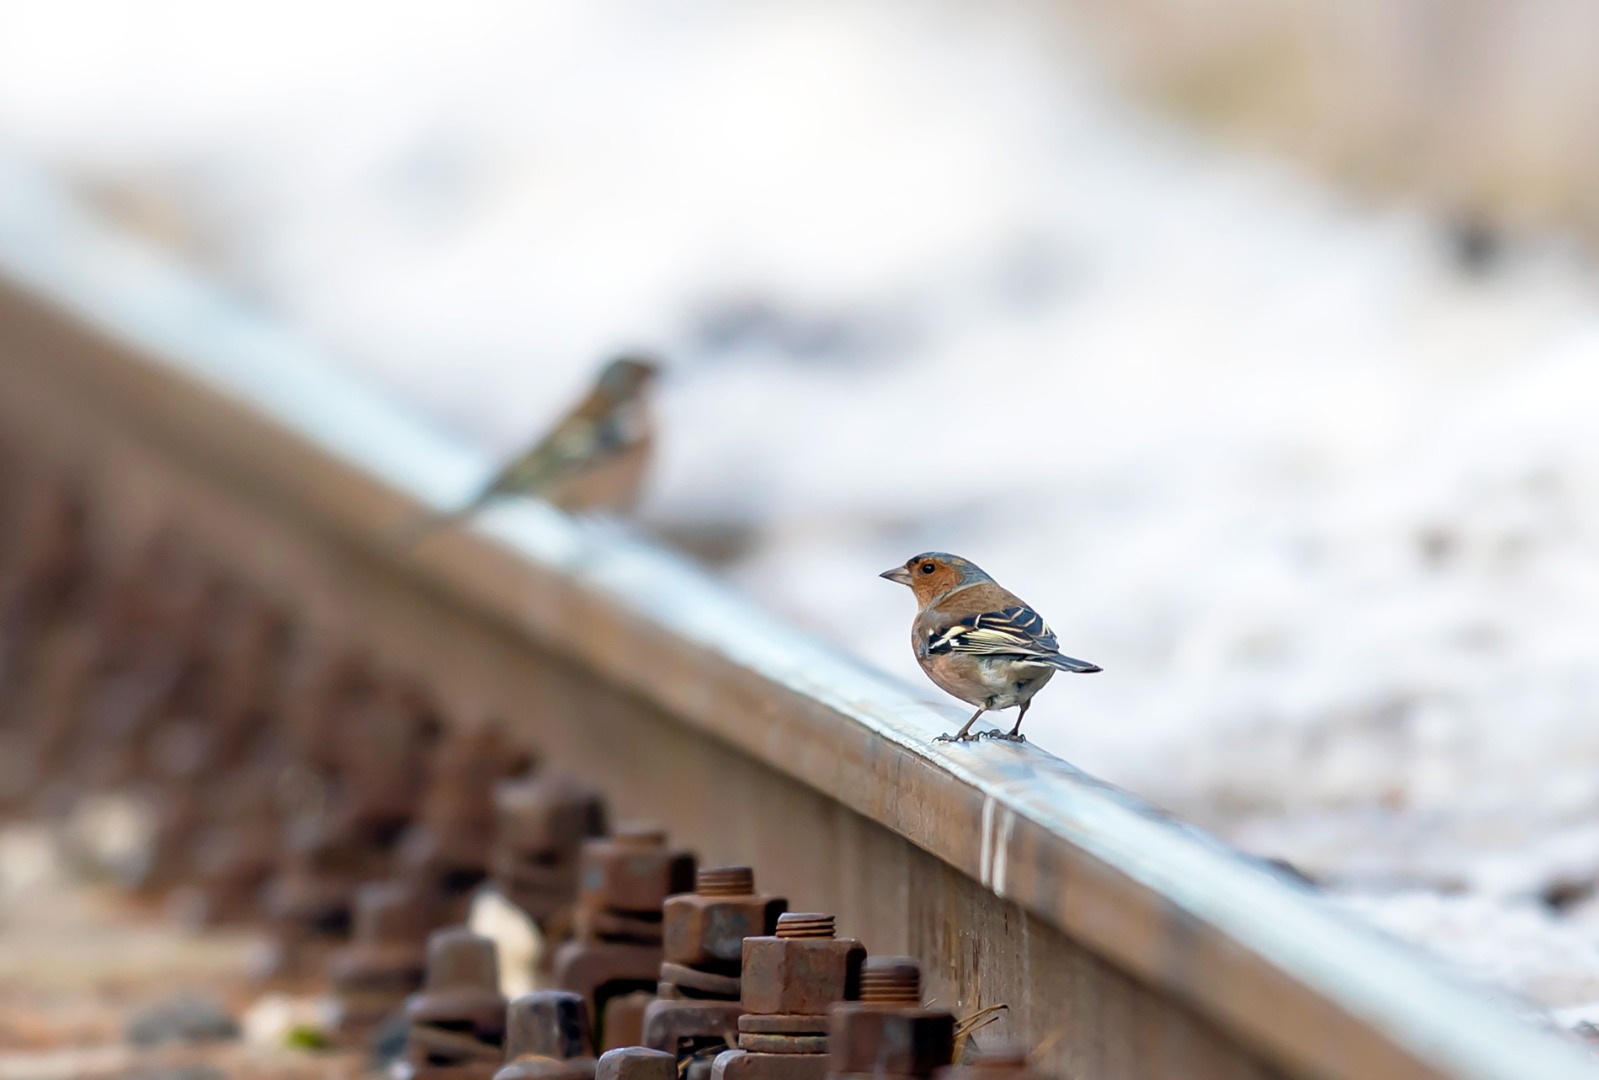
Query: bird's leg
x: 1015, y: 733
x: 961, y: 736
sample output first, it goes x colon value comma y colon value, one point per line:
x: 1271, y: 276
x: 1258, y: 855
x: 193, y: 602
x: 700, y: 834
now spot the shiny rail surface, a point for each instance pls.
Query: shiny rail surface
x: 1125, y: 943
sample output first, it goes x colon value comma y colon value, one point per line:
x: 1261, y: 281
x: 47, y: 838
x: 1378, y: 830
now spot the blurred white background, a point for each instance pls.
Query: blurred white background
x: 1320, y: 495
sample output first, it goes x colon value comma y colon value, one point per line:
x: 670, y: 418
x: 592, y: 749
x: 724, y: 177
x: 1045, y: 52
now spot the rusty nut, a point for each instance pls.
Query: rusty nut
x: 549, y: 815
x: 899, y: 1041
x: 803, y: 976
x: 636, y: 1063
x: 634, y: 871
x: 706, y: 929
x: 461, y: 993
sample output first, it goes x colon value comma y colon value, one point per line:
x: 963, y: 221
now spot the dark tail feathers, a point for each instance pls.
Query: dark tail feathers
x: 1079, y: 667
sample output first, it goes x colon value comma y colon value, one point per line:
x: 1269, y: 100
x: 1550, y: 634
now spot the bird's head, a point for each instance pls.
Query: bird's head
x: 934, y: 573
x: 627, y: 376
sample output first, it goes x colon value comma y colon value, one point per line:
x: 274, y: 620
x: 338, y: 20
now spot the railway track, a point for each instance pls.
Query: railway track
x: 1123, y: 943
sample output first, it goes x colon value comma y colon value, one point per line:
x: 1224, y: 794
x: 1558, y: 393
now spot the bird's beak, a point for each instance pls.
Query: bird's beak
x: 899, y: 574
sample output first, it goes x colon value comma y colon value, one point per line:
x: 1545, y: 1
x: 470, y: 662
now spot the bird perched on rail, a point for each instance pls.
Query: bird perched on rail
x: 592, y: 461
x: 979, y: 641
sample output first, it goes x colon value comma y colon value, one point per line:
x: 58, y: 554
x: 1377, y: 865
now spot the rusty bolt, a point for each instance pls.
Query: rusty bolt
x: 892, y: 981
x: 704, y: 950
x: 549, y: 814
x: 789, y: 982
x: 385, y: 962
x: 801, y: 971
x: 887, y: 1032
x: 232, y: 863
x: 617, y: 948
x: 447, y: 848
x: 458, y: 1020
x: 633, y: 872
x: 636, y: 1063
x: 541, y: 826
x: 459, y: 960
x: 603, y: 971
x: 706, y: 929
x: 805, y: 924
x: 457, y: 813
x: 320, y: 870
x: 547, y: 1037
x: 302, y: 902
x: 387, y: 735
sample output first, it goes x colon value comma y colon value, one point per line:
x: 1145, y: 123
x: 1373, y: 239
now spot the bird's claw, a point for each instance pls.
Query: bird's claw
x: 969, y: 737
x: 1008, y: 736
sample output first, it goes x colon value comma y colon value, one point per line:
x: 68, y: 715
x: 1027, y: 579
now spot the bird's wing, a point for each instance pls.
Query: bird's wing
x: 560, y: 452
x: 597, y: 431
x: 1017, y: 633
x: 574, y: 442
x: 1012, y: 631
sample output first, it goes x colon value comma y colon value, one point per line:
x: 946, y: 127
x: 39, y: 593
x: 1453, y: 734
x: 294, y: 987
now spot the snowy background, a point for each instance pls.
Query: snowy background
x: 1323, y: 503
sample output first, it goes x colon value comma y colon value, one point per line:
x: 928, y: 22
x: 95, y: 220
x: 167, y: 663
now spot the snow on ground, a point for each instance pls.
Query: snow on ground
x: 1324, y: 507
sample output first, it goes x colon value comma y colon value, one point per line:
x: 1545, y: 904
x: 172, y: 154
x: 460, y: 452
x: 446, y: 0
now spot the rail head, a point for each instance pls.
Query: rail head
x: 1262, y: 958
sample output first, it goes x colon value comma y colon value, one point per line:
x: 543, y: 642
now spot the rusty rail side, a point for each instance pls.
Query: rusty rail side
x: 1135, y: 946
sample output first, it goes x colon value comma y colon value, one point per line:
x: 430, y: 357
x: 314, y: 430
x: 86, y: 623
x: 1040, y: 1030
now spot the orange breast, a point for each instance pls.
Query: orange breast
x: 610, y: 486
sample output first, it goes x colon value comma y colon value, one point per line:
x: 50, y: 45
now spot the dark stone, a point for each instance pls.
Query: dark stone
x: 177, y: 1072
x: 184, y: 1017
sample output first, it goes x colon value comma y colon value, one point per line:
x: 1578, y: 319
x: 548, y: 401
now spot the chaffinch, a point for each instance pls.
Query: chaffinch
x: 979, y: 641
x: 593, y: 460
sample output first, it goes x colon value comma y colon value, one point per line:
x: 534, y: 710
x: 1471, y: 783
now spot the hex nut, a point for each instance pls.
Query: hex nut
x: 636, y: 1063
x: 800, y: 975
x: 551, y: 813
x: 898, y: 1041
x: 708, y: 932
x: 623, y: 873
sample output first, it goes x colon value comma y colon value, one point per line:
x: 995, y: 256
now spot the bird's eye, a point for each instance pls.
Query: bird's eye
x: 928, y: 568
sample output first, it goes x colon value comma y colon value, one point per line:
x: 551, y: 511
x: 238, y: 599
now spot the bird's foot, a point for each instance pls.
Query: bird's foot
x: 1008, y: 736
x: 972, y: 736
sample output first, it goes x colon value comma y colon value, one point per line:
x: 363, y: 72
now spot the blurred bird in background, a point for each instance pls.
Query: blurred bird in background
x: 979, y: 641
x: 593, y: 460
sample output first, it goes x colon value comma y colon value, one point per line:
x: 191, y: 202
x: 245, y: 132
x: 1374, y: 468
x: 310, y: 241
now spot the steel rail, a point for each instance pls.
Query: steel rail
x: 1146, y: 946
